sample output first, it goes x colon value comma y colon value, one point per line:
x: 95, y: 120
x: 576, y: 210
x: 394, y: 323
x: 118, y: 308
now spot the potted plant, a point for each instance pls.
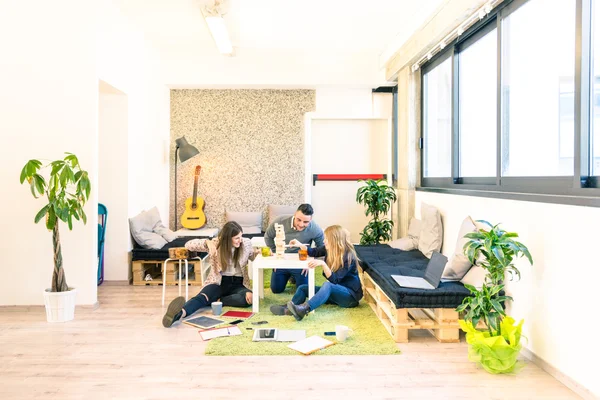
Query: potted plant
x: 66, y: 191
x: 378, y: 197
x: 497, y: 345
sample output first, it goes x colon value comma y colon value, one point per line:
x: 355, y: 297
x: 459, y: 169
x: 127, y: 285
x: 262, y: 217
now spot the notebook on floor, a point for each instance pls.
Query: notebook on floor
x: 277, y: 335
x: 212, y: 333
x: 203, y: 322
x: 433, y: 274
x: 238, y: 314
x: 310, y: 345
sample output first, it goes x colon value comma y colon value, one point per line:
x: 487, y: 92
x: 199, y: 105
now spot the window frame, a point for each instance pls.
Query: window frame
x: 579, y: 189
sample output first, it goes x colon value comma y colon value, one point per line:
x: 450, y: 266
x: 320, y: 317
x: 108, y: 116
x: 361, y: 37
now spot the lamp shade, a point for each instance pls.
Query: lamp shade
x: 186, y: 150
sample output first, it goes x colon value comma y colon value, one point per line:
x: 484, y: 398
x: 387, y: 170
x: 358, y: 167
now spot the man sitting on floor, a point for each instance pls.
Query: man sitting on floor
x: 301, y: 227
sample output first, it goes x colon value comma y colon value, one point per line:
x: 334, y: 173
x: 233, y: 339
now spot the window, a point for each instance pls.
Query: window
x: 511, y: 106
x: 538, y: 83
x: 595, y: 106
x: 478, y: 70
x: 437, y: 121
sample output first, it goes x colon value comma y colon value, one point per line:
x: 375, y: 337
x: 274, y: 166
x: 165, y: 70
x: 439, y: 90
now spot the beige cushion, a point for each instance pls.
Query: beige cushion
x: 251, y: 222
x: 430, y: 236
x: 275, y: 211
x: 146, y: 229
x: 458, y: 265
x: 405, y: 244
x: 475, y: 277
x: 410, y: 242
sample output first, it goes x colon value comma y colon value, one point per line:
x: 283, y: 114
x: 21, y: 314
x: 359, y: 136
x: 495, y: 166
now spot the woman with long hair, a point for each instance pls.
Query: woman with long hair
x: 228, y: 278
x: 339, y: 267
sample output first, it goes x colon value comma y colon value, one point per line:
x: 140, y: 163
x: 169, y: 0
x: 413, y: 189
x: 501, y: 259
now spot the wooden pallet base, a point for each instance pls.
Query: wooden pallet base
x: 441, y: 322
x: 140, y: 268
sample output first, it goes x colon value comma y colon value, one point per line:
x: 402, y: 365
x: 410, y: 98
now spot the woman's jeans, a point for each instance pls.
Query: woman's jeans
x: 328, y: 293
x: 231, y: 291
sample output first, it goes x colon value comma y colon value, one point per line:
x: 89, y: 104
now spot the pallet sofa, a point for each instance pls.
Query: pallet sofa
x: 400, y: 309
x: 151, y: 261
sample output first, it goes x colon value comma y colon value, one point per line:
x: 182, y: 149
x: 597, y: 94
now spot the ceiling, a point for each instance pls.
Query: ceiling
x: 377, y: 27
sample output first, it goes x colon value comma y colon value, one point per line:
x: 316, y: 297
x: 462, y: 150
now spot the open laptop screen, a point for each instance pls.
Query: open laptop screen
x: 435, y: 268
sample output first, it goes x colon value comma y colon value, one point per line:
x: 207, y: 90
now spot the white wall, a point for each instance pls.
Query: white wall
x: 345, y: 146
x: 113, y: 179
x: 557, y: 296
x: 48, y: 105
x: 128, y: 63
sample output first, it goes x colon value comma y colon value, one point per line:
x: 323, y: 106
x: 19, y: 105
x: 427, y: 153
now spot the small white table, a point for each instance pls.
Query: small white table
x: 289, y: 261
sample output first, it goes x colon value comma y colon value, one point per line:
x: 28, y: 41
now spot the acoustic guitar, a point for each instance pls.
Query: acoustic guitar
x: 193, y: 217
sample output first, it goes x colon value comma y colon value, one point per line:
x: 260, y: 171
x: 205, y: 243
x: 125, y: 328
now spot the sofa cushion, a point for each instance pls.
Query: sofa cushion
x: 382, y: 261
x: 404, y: 243
x: 475, y: 277
x: 148, y: 230
x: 430, y: 236
x: 251, y: 222
x: 275, y: 211
x: 459, y: 264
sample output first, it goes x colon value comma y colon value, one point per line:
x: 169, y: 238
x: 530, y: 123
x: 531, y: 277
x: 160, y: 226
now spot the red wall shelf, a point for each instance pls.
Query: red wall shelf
x: 346, y: 177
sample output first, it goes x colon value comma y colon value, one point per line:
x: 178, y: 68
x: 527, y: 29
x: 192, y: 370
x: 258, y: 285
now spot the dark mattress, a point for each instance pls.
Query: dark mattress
x: 382, y: 261
x: 141, y: 254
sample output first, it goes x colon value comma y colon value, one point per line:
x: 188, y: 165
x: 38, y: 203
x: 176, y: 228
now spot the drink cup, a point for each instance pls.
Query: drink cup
x: 217, y: 307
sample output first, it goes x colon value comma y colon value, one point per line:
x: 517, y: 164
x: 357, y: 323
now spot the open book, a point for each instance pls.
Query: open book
x: 212, y: 333
x: 311, y: 344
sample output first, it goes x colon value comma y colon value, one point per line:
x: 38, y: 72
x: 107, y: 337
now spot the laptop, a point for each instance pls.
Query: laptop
x: 433, y: 274
x: 278, y: 335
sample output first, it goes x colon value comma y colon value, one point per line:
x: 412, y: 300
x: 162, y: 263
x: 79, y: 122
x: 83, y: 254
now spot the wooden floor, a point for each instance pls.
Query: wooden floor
x: 121, y: 351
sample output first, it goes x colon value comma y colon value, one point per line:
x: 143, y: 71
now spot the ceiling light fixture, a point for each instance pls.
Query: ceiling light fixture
x: 213, y: 14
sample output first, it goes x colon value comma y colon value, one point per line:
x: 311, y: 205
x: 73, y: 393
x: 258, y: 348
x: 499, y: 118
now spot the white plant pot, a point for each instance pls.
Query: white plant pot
x: 60, y: 306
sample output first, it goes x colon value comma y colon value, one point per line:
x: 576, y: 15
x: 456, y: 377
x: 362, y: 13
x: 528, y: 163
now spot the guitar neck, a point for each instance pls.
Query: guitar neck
x: 195, y: 196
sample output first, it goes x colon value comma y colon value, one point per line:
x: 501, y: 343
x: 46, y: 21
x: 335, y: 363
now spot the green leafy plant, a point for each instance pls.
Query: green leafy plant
x: 497, y: 347
x: 496, y: 249
x: 378, y: 197
x: 66, y: 190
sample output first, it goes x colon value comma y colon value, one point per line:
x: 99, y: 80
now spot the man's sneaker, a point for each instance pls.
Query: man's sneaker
x: 173, y: 311
x: 280, y: 310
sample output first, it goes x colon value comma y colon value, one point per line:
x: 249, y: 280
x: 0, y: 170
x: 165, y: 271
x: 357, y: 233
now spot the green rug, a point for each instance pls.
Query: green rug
x: 369, y: 337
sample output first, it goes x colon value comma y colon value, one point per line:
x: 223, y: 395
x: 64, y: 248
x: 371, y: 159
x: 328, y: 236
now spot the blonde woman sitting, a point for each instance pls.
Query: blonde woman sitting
x: 339, y: 267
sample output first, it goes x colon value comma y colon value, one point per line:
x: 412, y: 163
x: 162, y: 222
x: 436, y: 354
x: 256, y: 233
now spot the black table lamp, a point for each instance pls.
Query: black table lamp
x: 186, y: 151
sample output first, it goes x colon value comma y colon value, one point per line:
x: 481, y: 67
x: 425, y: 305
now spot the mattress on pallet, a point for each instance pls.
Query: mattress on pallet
x: 383, y: 261
x: 141, y: 254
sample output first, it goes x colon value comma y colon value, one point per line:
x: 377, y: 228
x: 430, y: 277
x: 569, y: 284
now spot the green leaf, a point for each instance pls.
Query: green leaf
x: 42, y: 213
x: 83, y: 216
x: 70, y: 222
x: 51, y: 220
x: 485, y: 222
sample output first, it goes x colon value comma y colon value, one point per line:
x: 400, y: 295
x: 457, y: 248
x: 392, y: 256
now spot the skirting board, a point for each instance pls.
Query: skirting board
x: 558, y: 375
x: 41, y: 307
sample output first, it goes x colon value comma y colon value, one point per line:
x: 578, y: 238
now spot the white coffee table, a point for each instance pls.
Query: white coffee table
x: 289, y: 261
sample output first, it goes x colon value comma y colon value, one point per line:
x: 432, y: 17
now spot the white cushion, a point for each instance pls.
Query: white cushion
x: 275, y: 211
x: 430, y: 236
x: 405, y: 244
x: 414, y: 228
x: 459, y: 264
x: 148, y: 230
x: 475, y: 277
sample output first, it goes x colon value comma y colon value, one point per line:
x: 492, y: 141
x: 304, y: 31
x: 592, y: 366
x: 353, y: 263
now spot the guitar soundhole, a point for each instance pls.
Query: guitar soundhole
x: 194, y: 206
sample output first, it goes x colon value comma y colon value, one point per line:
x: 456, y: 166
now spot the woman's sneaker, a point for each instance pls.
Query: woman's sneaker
x: 280, y: 310
x: 173, y: 312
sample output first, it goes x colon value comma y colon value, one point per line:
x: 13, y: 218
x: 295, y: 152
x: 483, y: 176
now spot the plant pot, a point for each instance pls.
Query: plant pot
x: 496, y: 354
x: 60, y: 306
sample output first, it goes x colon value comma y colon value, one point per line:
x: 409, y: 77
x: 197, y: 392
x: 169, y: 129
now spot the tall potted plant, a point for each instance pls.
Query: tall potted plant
x: 66, y: 192
x: 378, y: 197
x: 497, y: 346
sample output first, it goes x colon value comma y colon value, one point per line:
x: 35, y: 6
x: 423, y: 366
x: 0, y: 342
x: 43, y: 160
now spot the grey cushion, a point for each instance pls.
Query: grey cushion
x: 430, y: 236
x: 458, y: 265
